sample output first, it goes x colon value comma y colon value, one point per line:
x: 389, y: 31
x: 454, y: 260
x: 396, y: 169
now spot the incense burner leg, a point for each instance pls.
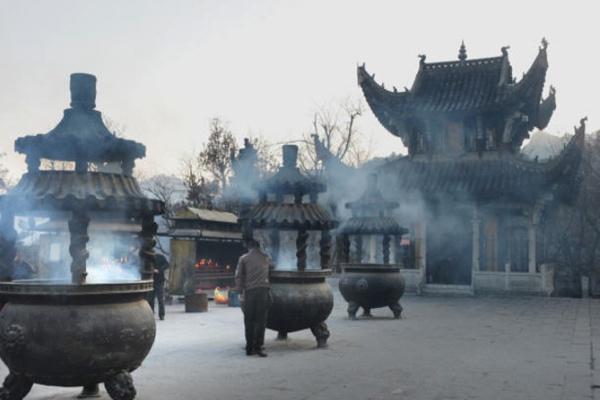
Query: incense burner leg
x: 89, y: 391
x: 282, y: 335
x: 120, y: 386
x: 321, y: 332
x: 15, y: 387
x: 397, y: 310
x: 366, y: 312
x: 352, y: 309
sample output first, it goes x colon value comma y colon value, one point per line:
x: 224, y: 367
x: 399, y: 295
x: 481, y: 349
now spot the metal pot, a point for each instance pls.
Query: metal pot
x: 300, y: 300
x: 371, y: 286
x: 56, y: 333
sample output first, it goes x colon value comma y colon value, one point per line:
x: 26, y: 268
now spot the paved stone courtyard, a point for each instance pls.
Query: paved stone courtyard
x: 444, y: 348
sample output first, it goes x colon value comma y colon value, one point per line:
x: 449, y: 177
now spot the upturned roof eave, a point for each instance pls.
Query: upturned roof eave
x: 395, y: 109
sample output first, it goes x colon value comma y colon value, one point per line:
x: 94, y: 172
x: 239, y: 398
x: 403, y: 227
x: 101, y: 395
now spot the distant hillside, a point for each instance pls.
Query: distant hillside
x: 544, y: 145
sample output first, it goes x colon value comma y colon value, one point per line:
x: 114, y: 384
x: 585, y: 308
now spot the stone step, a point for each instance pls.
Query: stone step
x: 447, y: 290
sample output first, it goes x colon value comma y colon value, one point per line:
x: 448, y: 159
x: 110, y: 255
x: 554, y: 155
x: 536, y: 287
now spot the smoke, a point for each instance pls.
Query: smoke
x: 113, y: 271
x: 113, y: 248
x: 285, y: 258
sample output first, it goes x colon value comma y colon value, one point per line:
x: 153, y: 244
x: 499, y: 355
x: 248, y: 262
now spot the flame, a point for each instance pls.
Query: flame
x: 204, y: 263
x: 220, y: 297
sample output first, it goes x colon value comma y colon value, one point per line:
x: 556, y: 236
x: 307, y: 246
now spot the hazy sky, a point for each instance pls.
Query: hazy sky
x: 166, y: 67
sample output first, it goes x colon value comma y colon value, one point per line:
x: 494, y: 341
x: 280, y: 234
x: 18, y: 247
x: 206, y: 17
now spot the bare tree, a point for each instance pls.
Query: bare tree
x: 164, y: 188
x: 268, y: 160
x: 334, y: 136
x: 116, y: 128
x: 215, y: 155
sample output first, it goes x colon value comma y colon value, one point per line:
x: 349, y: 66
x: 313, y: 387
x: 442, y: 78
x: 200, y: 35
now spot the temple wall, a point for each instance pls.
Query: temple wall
x: 413, y: 278
x: 485, y: 282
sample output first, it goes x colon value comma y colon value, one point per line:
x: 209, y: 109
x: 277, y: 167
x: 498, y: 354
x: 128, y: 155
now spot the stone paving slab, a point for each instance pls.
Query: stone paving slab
x: 444, y: 348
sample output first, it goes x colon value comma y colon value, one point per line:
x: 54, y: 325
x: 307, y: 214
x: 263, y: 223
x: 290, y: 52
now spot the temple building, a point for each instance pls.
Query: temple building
x: 476, y: 206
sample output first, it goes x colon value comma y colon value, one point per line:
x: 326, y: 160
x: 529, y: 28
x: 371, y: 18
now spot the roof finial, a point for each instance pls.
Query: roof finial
x: 581, y: 128
x: 544, y: 44
x: 504, y: 50
x: 422, y: 58
x: 462, y: 52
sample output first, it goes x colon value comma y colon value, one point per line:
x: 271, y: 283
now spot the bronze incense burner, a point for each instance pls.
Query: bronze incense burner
x: 371, y: 278
x: 73, y: 332
x: 295, y: 230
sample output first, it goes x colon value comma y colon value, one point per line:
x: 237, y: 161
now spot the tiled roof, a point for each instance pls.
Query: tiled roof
x: 69, y: 189
x: 465, y: 86
x: 290, y: 216
x: 460, y: 85
x: 206, y: 215
x: 501, y: 177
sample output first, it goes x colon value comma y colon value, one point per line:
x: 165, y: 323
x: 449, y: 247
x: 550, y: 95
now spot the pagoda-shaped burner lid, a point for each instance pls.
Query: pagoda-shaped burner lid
x: 289, y: 179
x: 81, y: 135
x: 368, y: 214
x: 371, y: 202
x: 298, y: 214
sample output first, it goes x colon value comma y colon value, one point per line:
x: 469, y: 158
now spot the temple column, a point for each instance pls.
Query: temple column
x: 8, y: 250
x: 532, y: 247
x: 531, y: 237
x: 421, y: 250
x: 325, y: 249
x: 78, y: 229
x: 476, y: 228
x: 421, y: 246
x: 532, y: 226
x: 147, y: 243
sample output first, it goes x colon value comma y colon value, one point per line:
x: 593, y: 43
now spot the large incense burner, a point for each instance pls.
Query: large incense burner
x: 73, y: 332
x: 371, y: 278
x: 294, y: 229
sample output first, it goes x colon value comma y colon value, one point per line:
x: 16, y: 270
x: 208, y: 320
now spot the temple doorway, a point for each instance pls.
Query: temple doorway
x: 449, y: 249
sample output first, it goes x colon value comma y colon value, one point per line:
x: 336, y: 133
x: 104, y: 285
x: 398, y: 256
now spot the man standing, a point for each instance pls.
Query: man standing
x: 252, y: 281
x: 161, y: 264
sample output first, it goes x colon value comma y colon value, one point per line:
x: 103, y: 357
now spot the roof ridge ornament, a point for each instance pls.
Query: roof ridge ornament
x: 544, y: 44
x: 462, y: 52
x: 422, y: 58
x: 504, y: 50
x: 581, y: 128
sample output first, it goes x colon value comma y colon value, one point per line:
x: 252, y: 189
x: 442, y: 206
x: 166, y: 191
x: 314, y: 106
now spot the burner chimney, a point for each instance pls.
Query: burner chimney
x: 290, y: 155
x: 372, y: 183
x: 83, y: 91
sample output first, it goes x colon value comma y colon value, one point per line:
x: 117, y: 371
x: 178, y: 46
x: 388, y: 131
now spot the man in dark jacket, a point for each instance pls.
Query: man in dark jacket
x: 161, y: 265
x: 252, y: 281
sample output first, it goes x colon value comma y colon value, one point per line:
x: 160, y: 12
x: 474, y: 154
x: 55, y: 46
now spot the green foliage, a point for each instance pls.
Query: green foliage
x: 215, y: 156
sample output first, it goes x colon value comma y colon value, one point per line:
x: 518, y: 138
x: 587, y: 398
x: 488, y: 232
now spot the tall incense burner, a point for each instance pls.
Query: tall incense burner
x: 72, y: 332
x: 371, y: 274
x: 295, y: 230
